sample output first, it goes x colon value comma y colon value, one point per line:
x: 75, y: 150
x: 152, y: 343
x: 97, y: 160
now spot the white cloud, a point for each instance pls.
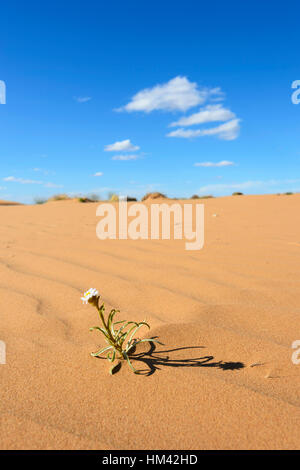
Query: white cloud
x: 98, y: 173
x: 125, y: 157
x: 13, y: 179
x: 21, y: 180
x: 210, y: 113
x: 82, y: 99
x: 180, y: 94
x: 212, y: 164
x: 177, y: 94
x: 227, y: 131
x: 52, y: 185
x: 122, y: 146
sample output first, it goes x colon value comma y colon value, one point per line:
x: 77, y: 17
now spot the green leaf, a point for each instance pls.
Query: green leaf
x: 124, y: 335
x: 95, y: 328
x: 112, y: 330
x: 110, y: 318
x: 138, y: 327
x: 119, y: 335
x: 144, y: 323
x: 119, y: 338
x: 150, y: 340
x: 100, y: 329
x: 142, y: 341
x: 129, y: 363
x: 101, y: 351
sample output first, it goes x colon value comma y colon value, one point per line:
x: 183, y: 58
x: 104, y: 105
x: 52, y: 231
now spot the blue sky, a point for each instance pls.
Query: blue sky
x: 180, y: 97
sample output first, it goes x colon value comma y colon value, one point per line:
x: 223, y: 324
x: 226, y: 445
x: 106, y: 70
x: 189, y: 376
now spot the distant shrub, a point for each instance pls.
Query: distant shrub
x: 111, y: 195
x: 84, y: 199
x: 40, y: 200
x: 114, y: 198
x: 59, y: 197
x: 289, y: 193
x: 237, y: 193
x: 207, y: 196
x: 155, y: 195
x: 94, y: 197
x: 89, y: 198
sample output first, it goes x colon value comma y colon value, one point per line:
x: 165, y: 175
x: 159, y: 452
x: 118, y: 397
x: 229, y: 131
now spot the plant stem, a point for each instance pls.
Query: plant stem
x: 113, y: 341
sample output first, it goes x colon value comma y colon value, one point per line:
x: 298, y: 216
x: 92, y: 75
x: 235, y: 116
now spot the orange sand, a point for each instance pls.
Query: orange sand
x: 227, y: 316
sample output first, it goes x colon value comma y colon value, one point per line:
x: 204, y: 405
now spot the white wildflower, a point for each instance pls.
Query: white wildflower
x: 89, y: 295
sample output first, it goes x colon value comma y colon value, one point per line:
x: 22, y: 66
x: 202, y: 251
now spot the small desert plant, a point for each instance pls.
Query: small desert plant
x: 89, y: 198
x: 120, y: 340
x: 237, y: 193
x: 40, y: 200
x: 59, y: 197
x: 114, y: 198
x: 84, y: 199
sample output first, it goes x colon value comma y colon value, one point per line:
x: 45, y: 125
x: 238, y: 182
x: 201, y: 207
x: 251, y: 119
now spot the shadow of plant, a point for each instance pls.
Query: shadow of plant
x: 155, y: 360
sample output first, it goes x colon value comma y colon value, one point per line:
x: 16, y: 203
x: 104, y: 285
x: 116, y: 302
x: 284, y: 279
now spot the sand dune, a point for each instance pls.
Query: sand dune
x: 227, y: 315
x: 9, y: 203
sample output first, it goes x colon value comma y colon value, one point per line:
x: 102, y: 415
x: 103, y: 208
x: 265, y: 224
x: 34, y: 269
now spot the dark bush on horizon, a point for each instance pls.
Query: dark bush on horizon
x: 40, y: 200
x: 85, y: 199
x: 59, y: 197
x: 94, y: 197
x: 207, y: 196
